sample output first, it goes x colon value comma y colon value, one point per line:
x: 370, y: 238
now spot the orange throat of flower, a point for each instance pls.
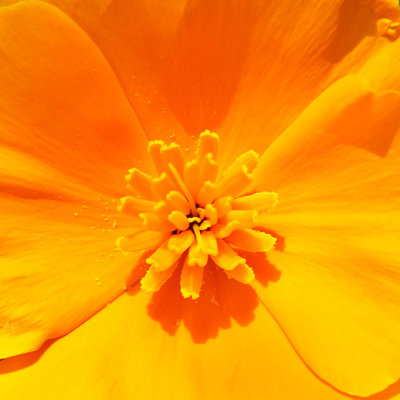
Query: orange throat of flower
x: 192, y: 215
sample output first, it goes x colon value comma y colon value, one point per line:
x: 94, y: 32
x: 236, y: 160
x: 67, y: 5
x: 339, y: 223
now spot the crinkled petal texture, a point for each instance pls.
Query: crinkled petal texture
x: 339, y: 185
x: 121, y: 353
x: 67, y: 135
x: 229, y: 66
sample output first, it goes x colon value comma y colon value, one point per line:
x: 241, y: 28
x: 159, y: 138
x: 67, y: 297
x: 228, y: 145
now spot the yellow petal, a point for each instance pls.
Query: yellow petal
x: 339, y: 215
x: 48, y: 284
x: 252, y: 362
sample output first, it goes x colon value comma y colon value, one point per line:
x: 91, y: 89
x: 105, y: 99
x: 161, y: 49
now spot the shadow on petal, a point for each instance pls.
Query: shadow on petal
x: 22, y: 361
x: 353, y: 25
x: 206, y: 63
x: 264, y: 271
x: 221, y: 300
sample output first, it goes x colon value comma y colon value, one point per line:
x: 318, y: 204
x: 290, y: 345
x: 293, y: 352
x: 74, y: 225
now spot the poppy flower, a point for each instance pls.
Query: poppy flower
x: 199, y: 199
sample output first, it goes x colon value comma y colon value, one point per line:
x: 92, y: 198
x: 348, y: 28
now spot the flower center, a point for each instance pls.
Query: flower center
x: 191, y: 215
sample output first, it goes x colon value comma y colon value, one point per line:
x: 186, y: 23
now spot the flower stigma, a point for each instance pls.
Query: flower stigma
x: 192, y: 215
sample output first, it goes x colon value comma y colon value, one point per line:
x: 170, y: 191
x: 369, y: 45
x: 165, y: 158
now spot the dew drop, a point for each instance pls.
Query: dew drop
x: 76, y: 214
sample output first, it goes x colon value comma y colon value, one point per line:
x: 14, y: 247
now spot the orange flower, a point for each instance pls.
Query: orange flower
x: 277, y: 278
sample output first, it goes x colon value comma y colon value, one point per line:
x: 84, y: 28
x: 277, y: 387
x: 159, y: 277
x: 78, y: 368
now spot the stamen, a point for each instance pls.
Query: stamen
x: 154, y: 150
x: 221, y: 231
x: 208, y: 143
x: 235, y: 184
x: 191, y: 179
x: 211, y: 214
x: 162, y: 210
x: 180, y: 243
x: 197, y: 256
x: 163, y: 258
x: 184, y: 189
x: 140, y: 241
x: 243, y: 218
x: 197, y: 234
x: 178, y: 201
x: 207, y: 194
x: 209, y: 244
x: 208, y: 169
x: 140, y: 183
x: 223, y: 205
x: 153, y: 223
x: 179, y: 220
x: 155, y: 279
x: 194, y: 220
x: 206, y: 224
x: 242, y: 273
x: 238, y: 177
x: 172, y: 154
x: 191, y: 280
x: 262, y: 201
x: 187, y: 214
x: 227, y: 258
x: 251, y: 240
x: 162, y: 185
x: 134, y: 206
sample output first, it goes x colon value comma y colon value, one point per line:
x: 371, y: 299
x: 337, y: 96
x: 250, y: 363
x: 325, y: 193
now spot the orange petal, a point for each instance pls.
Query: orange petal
x: 136, y: 39
x: 346, y: 113
x: 72, y: 116
x: 120, y: 345
x: 337, y: 297
x: 296, y: 51
x: 58, y: 266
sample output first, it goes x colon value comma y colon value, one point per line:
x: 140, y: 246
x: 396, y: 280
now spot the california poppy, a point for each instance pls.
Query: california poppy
x: 133, y: 266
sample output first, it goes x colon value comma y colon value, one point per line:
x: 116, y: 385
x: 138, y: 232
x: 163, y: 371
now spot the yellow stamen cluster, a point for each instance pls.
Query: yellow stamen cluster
x: 191, y: 215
